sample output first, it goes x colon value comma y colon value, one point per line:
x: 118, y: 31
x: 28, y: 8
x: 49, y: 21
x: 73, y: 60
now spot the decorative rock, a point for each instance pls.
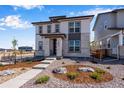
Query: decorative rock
x: 60, y: 70
x: 86, y: 69
x: 6, y: 72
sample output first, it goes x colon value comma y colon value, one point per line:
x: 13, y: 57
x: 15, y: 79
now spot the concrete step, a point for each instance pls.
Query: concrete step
x: 50, y: 58
x: 40, y: 66
x: 47, y: 61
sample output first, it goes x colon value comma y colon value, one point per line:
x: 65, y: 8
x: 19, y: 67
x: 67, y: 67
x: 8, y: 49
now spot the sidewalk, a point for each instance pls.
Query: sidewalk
x: 23, y: 78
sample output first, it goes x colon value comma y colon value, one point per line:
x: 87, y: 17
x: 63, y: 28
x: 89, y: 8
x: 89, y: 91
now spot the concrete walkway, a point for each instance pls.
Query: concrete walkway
x: 23, y: 78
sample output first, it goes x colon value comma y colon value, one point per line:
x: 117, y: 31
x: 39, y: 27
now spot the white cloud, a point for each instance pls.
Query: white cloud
x: 91, y: 11
x: 96, y: 11
x: 71, y: 13
x: 28, y: 7
x: 2, y: 29
x: 14, y: 21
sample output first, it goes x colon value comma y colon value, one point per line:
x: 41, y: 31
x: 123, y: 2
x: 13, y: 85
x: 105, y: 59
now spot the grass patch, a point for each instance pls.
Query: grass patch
x: 72, y: 75
x: 42, y: 79
x: 95, y: 76
x: 100, y: 71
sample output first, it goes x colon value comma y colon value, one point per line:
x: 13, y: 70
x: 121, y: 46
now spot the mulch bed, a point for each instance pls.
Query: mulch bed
x: 19, y: 65
x: 83, y: 77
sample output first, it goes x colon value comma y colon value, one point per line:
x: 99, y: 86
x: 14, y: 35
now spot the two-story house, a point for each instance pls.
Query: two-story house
x: 109, y: 32
x: 63, y: 36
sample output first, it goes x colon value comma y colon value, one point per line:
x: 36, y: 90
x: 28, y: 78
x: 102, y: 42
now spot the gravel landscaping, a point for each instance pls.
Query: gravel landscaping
x: 116, y: 70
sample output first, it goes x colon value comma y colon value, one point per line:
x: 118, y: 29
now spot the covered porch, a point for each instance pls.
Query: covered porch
x: 53, y: 44
x: 116, y: 43
x: 109, y: 46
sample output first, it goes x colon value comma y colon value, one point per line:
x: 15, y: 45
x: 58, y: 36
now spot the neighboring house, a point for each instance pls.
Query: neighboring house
x: 109, y: 32
x: 2, y: 50
x: 63, y: 36
x: 25, y: 48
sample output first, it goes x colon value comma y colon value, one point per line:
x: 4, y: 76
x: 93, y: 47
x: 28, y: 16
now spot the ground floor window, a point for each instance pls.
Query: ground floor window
x: 123, y: 40
x: 108, y: 43
x: 40, y: 45
x: 74, y: 45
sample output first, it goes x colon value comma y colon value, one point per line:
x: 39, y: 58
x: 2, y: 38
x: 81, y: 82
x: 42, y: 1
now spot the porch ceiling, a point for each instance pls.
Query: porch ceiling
x: 54, y: 35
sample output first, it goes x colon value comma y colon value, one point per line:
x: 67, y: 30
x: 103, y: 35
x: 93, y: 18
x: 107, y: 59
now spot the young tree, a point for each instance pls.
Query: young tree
x: 14, y: 44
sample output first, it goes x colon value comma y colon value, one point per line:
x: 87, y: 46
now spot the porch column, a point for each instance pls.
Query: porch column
x: 46, y: 47
x: 59, y: 47
x: 120, y: 39
x: 120, y: 44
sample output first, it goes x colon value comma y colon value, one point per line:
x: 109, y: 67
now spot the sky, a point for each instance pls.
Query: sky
x: 15, y: 21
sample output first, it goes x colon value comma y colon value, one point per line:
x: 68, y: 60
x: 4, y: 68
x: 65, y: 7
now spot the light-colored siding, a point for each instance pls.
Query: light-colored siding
x: 109, y: 20
x: 120, y: 18
x: 115, y: 20
x: 85, y: 39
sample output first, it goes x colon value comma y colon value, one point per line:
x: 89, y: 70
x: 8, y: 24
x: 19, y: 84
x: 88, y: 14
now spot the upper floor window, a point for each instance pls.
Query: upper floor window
x: 71, y: 27
x: 74, y: 45
x: 77, y: 26
x: 40, y: 29
x: 48, y: 28
x: 74, y: 26
x: 57, y: 28
x: 105, y: 25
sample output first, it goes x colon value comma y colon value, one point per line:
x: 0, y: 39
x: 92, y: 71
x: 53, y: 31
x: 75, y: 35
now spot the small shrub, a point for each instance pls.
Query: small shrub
x: 108, y: 67
x: 23, y: 68
x: 1, y: 65
x: 77, y: 61
x: 63, y: 62
x: 42, y: 79
x: 29, y: 62
x: 95, y: 76
x: 100, y: 71
x: 72, y: 75
x: 122, y: 78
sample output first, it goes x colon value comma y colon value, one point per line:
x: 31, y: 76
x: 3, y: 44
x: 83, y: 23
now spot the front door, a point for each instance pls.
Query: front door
x: 54, y: 46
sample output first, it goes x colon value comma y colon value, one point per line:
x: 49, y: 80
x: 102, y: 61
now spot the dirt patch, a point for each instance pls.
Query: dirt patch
x: 19, y: 68
x: 83, y: 77
x: 19, y: 65
x: 18, y: 71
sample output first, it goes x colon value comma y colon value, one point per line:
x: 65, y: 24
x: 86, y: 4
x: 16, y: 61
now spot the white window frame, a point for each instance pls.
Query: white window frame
x: 50, y: 28
x: 57, y: 28
x: 40, y: 30
x: 74, y: 45
x: 40, y: 44
x: 74, y: 26
x: 123, y: 40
